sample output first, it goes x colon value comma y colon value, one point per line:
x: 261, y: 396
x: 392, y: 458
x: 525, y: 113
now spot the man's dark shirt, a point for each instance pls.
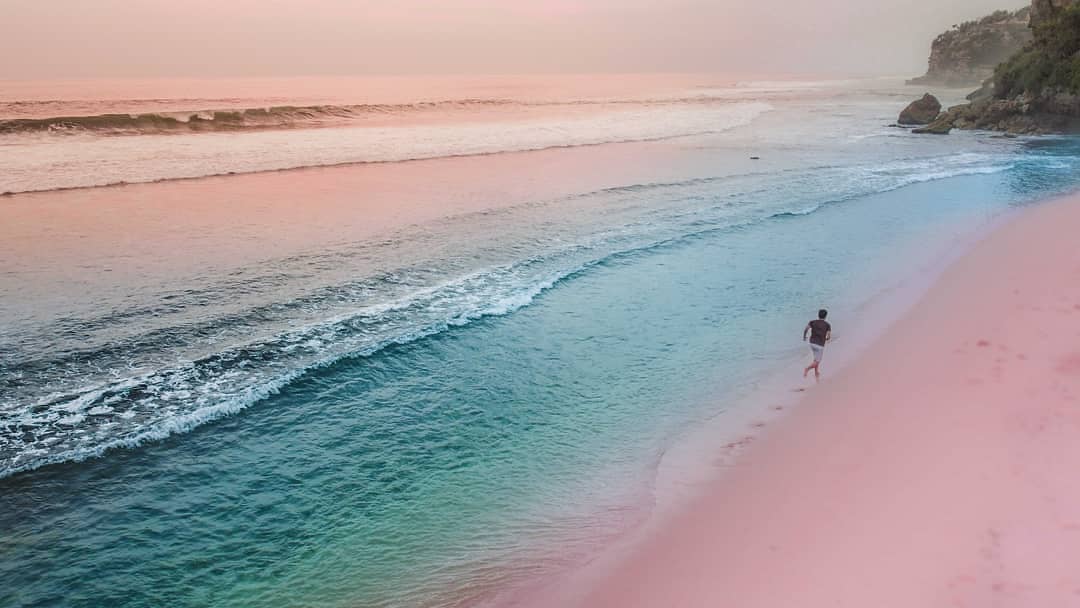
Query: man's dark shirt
x: 819, y: 328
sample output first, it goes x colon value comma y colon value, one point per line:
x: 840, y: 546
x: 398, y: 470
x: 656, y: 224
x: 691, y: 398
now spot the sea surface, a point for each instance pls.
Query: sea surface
x: 424, y: 341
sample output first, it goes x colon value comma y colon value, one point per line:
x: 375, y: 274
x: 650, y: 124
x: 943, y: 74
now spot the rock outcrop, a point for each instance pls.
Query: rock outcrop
x: 921, y: 111
x: 1059, y: 113
x: 937, y: 128
x: 968, y: 53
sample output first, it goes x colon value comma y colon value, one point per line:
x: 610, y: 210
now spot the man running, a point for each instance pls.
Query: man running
x: 820, y: 332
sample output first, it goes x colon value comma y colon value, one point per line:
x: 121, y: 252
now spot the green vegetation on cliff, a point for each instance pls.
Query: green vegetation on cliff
x: 1050, y: 63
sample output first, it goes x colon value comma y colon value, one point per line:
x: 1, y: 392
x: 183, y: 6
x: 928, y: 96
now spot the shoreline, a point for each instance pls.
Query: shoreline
x: 686, y: 559
x: 699, y: 457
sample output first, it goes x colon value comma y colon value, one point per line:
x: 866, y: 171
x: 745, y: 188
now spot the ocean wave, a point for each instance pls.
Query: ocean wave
x: 173, y: 400
x: 292, y: 116
x: 158, y: 398
x: 199, y: 121
x: 38, y: 165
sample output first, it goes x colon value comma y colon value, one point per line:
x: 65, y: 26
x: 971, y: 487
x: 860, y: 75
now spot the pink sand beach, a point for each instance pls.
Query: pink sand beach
x: 940, y: 469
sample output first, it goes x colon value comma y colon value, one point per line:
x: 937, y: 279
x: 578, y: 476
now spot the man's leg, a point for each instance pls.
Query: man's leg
x: 817, y: 351
x: 813, y: 363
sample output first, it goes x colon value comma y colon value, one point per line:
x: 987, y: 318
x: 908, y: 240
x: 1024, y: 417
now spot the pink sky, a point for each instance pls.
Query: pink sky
x: 110, y: 38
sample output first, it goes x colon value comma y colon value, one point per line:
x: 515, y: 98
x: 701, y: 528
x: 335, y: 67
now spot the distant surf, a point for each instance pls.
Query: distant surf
x: 200, y: 121
x: 253, y: 141
x: 291, y: 116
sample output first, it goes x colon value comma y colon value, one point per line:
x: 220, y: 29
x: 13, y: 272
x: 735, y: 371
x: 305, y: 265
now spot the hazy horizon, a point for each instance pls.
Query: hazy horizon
x: 244, y: 38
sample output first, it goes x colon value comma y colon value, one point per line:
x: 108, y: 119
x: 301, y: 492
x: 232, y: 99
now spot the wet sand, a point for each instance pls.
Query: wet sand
x: 938, y: 470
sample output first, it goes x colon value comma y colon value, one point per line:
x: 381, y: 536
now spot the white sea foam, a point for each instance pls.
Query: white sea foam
x: 224, y: 392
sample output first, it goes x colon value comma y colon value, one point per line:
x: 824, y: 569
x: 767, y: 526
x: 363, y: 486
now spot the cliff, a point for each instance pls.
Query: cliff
x: 968, y: 53
x: 1036, y: 90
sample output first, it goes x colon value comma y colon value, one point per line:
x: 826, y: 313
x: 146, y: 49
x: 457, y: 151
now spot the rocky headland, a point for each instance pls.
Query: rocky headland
x: 1035, y: 90
x: 967, y: 54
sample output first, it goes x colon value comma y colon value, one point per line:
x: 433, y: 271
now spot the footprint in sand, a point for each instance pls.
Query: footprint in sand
x: 1069, y: 365
x: 741, y: 443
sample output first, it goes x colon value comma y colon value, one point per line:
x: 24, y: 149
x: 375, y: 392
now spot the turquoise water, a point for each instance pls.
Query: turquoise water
x: 464, y: 454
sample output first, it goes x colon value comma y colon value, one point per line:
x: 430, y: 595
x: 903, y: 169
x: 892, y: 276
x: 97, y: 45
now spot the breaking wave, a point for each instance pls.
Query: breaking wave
x: 253, y: 353
x: 196, y: 121
x: 290, y: 116
x: 46, y: 162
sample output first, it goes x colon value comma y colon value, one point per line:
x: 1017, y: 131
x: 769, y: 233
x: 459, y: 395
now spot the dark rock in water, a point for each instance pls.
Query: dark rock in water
x: 921, y: 111
x: 938, y: 127
x: 755, y: 158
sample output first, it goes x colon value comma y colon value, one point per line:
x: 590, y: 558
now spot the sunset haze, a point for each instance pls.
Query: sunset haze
x: 114, y: 38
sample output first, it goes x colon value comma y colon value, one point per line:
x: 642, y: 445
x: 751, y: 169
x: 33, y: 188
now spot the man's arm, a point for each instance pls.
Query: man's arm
x: 828, y: 336
x: 805, y: 331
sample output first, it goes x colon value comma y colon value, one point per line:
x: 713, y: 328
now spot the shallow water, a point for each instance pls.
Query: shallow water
x: 466, y: 402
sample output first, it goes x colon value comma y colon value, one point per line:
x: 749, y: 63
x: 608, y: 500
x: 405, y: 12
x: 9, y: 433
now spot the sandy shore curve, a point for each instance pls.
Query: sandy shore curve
x: 941, y: 469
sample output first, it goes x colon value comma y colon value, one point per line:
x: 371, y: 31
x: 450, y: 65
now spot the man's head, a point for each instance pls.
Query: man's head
x: 821, y: 314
